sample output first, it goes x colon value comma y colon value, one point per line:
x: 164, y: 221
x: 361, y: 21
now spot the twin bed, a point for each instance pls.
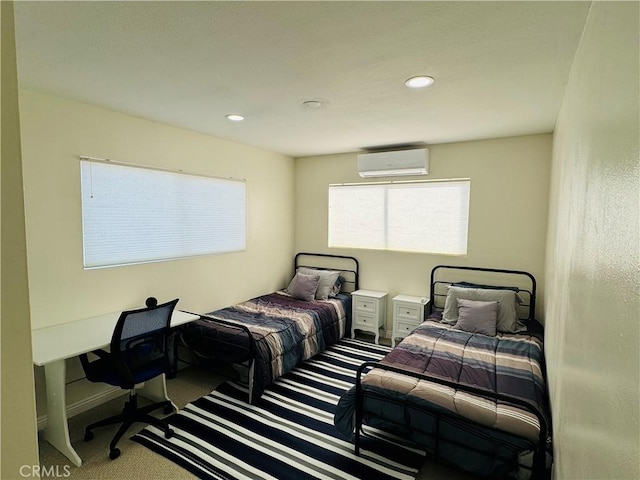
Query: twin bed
x: 467, y: 385
x: 267, y: 336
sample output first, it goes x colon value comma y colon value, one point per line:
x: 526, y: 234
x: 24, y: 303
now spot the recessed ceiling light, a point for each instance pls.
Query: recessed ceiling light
x: 234, y: 117
x: 312, y: 104
x: 419, y: 82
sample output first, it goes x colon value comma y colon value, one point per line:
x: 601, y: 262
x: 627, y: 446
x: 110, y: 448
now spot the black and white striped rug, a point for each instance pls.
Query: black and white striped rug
x: 289, y: 434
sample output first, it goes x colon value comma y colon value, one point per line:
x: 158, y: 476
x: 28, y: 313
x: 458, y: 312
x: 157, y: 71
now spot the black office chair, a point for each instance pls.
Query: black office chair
x: 139, y: 352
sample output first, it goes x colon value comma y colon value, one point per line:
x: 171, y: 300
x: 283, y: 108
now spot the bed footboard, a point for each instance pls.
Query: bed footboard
x: 233, y: 344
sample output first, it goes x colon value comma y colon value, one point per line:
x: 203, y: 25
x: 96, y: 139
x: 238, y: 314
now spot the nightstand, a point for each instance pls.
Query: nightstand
x: 369, y: 309
x: 408, y: 313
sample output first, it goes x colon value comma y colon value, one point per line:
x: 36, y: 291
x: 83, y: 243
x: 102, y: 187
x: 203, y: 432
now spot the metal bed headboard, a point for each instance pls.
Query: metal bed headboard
x: 444, y: 275
x: 348, y: 267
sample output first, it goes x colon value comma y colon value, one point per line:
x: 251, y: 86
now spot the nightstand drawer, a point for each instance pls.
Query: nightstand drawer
x: 366, y: 305
x: 365, y: 320
x: 408, y: 311
x: 404, y: 328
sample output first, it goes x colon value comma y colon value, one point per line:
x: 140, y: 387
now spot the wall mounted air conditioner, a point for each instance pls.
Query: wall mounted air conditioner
x: 394, y: 163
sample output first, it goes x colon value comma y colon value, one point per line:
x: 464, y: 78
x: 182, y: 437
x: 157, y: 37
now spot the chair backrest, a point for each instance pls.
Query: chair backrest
x: 140, y: 340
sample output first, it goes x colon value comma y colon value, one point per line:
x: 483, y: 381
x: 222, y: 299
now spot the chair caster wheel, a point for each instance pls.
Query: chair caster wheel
x: 168, y: 409
x: 115, y: 453
x: 88, y: 436
x: 169, y: 433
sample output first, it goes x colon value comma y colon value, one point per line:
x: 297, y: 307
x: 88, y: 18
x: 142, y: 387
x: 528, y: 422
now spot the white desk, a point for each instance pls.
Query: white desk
x: 53, y: 345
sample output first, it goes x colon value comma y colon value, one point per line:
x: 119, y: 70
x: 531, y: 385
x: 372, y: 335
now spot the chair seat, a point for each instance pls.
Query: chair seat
x: 103, y: 370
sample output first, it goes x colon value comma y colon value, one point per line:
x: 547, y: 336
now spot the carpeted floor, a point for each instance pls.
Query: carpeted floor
x: 141, y: 463
x: 136, y: 461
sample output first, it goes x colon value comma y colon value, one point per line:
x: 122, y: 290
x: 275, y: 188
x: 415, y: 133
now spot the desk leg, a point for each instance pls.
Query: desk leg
x: 57, y: 431
x: 156, y: 391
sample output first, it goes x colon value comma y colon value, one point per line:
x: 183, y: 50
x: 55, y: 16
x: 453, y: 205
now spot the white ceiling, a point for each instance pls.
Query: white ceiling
x: 500, y: 67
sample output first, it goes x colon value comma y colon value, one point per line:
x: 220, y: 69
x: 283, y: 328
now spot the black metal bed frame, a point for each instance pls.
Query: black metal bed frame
x: 539, y: 458
x: 245, y: 355
x: 529, y: 290
x: 351, y: 277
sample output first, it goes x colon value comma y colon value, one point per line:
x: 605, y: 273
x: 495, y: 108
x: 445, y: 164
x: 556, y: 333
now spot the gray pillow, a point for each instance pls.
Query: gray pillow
x: 507, y: 314
x: 303, y: 287
x: 328, y: 279
x: 477, y: 316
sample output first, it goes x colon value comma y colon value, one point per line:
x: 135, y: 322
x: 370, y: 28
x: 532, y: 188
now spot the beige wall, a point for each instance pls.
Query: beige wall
x: 508, y: 210
x: 56, y: 131
x: 593, y: 269
x: 17, y: 416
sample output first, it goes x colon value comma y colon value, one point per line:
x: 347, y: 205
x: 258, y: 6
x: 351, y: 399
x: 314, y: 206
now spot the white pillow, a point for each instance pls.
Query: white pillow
x: 507, y: 314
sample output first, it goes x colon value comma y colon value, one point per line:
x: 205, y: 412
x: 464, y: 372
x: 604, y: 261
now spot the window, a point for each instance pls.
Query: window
x: 136, y: 215
x: 427, y: 217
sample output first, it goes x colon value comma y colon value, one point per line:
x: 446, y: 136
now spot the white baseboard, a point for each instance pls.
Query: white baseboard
x: 87, y: 403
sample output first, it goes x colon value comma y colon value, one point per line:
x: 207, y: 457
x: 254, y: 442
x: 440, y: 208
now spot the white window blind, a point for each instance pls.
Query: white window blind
x: 136, y: 215
x: 427, y: 217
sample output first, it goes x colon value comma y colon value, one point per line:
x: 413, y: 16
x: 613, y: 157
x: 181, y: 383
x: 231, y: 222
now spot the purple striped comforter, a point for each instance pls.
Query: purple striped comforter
x: 508, y: 364
x: 285, y: 331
